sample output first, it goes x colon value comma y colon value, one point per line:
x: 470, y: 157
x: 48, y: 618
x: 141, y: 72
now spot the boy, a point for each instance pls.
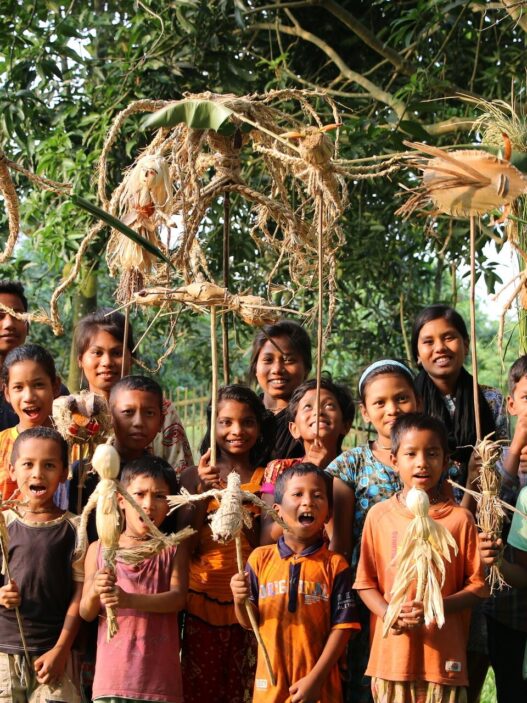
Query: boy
x: 136, y: 408
x: 46, y: 589
x: 506, y: 623
x: 301, y: 595
x: 414, y: 660
x: 141, y: 662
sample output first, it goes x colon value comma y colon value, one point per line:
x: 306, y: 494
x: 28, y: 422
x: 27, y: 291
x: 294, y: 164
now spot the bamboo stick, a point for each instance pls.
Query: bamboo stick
x: 473, y: 325
x: 214, y: 405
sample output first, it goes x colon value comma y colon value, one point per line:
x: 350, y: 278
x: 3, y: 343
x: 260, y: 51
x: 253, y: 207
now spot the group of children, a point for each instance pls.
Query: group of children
x: 319, y: 588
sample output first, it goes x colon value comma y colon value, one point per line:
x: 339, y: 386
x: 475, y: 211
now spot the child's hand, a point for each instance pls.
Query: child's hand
x: 490, y: 549
x: 474, y: 465
x: 104, y: 582
x: 305, y: 690
x: 318, y: 454
x: 209, y: 476
x: 240, y: 587
x: 519, y: 440
x: 9, y: 595
x: 51, y: 665
x: 116, y: 598
x: 522, y: 468
x: 412, y: 614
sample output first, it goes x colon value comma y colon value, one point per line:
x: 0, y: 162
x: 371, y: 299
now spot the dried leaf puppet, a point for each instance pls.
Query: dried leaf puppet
x: 108, y: 520
x: 84, y: 421
x: 145, y: 197
x: 420, y: 559
x: 227, y: 523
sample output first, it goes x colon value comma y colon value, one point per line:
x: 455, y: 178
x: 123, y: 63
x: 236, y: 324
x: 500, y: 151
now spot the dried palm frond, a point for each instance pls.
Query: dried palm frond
x: 420, y: 558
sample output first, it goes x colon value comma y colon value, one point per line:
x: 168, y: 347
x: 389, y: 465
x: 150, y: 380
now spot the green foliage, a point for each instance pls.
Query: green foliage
x: 395, y: 71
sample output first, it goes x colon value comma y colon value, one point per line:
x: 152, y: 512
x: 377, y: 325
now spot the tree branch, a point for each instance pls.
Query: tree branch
x: 373, y: 90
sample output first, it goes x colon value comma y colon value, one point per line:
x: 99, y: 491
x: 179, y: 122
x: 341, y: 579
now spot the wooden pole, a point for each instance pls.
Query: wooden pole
x: 224, y: 317
x: 214, y: 408
x: 125, y: 337
x: 320, y: 308
x: 250, y: 613
x: 473, y: 325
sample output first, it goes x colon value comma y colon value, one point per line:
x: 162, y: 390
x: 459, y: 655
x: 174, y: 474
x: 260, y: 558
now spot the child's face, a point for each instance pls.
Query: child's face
x: 31, y: 391
x: 38, y: 470
x: 279, y: 370
x: 331, y: 423
x: 151, y: 495
x: 517, y: 402
x: 237, y: 428
x: 385, y: 398
x: 13, y: 332
x: 304, y: 506
x: 102, y: 362
x: 441, y: 349
x: 420, y: 459
x: 137, y: 418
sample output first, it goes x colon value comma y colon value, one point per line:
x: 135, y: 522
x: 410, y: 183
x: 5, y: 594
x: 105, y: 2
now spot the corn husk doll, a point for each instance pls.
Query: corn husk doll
x: 420, y: 560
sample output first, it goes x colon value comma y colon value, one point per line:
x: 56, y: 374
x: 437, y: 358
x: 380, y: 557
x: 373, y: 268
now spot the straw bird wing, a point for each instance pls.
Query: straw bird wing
x: 459, y: 166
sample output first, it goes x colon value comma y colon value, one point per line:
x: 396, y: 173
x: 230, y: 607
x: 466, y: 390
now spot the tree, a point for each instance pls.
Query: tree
x: 396, y: 70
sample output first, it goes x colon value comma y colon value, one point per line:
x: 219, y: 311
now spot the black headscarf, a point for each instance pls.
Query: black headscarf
x: 462, y: 427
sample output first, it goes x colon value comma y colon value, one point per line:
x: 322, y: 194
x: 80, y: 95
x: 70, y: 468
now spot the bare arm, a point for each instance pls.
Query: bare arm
x: 50, y: 666
x: 90, y: 601
x: 515, y: 573
x: 343, y: 512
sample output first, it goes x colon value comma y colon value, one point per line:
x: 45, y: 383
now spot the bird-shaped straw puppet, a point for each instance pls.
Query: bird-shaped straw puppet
x: 108, y: 520
x: 227, y: 523
x: 252, y: 309
x: 420, y: 560
x: 146, y: 196
x: 464, y: 182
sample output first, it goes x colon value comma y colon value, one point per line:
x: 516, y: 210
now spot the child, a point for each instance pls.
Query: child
x: 218, y: 656
x: 415, y: 662
x: 302, y: 596
x: 99, y: 340
x: 13, y: 333
x: 47, y: 589
x: 136, y: 408
x: 337, y: 412
x: 30, y: 385
x: 506, y: 625
x: 141, y: 662
x: 280, y: 362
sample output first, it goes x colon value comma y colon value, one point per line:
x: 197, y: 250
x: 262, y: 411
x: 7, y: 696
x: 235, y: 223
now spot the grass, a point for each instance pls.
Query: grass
x: 488, y: 695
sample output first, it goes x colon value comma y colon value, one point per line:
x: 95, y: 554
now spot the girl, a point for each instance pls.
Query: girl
x: 30, y: 385
x: 280, y: 362
x: 440, y: 344
x: 218, y: 655
x: 99, y: 339
x: 364, y: 476
x: 414, y: 662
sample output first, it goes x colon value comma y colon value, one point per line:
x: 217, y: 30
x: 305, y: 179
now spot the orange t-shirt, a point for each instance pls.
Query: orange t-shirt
x: 7, y: 439
x: 424, y: 653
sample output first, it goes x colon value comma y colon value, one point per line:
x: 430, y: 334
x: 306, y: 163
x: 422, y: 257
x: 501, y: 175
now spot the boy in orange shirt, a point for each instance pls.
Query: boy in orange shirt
x: 417, y: 662
x: 301, y: 594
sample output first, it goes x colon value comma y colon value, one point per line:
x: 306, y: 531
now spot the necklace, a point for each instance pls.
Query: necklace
x: 40, y: 511
x: 137, y: 538
x: 378, y: 445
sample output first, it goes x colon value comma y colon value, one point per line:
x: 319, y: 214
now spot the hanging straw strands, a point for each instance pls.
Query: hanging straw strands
x: 421, y: 555
x: 490, y: 513
x: 108, y: 520
x: 227, y: 523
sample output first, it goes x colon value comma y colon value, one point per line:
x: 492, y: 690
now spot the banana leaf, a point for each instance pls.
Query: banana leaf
x: 121, y: 227
x: 198, y: 114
